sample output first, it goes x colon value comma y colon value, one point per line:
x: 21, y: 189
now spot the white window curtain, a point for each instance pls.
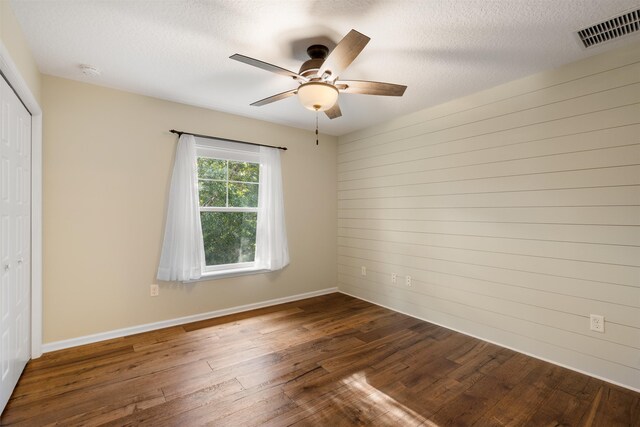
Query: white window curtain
x: 272, y: 250
x: 182, y: 256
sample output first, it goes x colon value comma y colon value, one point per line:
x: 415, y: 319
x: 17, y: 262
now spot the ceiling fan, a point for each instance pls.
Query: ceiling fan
x: 318, y: 78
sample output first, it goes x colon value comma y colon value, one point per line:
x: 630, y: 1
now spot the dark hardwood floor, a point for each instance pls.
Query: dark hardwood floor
x: 326, y: 361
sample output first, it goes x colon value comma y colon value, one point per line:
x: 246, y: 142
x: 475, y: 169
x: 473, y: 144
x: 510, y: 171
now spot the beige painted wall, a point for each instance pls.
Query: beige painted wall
x: 107, y: 163
x: 13, y: 39
x: 516, y: 211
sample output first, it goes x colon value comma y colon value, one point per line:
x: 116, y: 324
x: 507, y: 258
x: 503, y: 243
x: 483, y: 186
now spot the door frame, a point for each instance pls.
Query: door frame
x: 19, y: 85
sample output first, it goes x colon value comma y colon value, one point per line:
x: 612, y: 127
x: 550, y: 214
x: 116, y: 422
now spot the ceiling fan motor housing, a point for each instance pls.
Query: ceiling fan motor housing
x: 318, y: 53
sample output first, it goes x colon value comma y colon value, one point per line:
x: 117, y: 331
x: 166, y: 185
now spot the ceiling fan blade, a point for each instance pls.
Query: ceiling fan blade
x: 370, y: 88
x: 266, y: 66
x: 275, y: 98
x: 343, y: 54
x: 334, y: 112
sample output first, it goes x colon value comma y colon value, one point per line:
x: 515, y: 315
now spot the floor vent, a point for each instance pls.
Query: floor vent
x: 625, y: 24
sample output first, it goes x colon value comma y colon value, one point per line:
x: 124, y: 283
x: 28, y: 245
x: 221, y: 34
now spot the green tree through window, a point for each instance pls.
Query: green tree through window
x: 228, y: 210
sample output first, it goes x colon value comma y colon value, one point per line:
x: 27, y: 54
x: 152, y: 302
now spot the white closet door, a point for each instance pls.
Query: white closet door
x: 15, y: 240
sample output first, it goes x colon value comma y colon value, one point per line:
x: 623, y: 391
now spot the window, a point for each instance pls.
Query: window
x: 228, y: 189
x: 228, y: 192
x: 225, y: 213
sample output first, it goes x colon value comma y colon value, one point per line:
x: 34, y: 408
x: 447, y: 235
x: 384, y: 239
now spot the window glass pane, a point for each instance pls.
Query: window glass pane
x: 243, y: 195
x: 229, y: 237
x: 212, y: 193
x: 243, y: 171
x: 212, y: 168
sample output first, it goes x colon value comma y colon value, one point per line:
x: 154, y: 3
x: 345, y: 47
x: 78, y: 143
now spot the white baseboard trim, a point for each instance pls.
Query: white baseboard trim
x: 102, y: 336
x: 535, y: 356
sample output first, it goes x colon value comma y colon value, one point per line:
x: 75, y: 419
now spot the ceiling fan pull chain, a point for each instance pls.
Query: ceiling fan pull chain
x: 316, y: 126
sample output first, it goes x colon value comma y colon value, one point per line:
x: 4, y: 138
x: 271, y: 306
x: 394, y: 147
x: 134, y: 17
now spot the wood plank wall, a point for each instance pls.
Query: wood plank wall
x: 516, y: 211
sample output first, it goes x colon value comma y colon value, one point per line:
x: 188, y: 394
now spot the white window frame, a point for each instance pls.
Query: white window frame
x: 227, y: 151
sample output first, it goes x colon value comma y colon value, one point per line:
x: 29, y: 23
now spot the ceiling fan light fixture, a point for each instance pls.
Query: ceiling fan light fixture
x: 317, y: 96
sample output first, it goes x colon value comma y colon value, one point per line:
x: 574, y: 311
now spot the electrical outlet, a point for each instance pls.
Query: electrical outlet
x: 597, y: 323
x: 394, y: 278
x: 363, y: 270
x: 408, y: 280
x: 154, y: 290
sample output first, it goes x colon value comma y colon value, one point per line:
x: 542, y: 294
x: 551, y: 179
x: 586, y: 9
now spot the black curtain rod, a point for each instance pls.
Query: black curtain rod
x: 179, y: 132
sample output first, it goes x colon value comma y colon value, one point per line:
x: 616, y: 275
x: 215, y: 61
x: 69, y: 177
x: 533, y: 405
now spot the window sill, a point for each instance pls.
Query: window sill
x: 213, y: 275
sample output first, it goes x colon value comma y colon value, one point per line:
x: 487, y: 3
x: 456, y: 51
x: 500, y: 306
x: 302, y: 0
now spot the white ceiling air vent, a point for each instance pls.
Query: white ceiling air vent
x: 611, y: 29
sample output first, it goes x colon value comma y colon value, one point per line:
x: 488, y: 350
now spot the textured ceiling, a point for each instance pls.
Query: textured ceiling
x: 179, y: 50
